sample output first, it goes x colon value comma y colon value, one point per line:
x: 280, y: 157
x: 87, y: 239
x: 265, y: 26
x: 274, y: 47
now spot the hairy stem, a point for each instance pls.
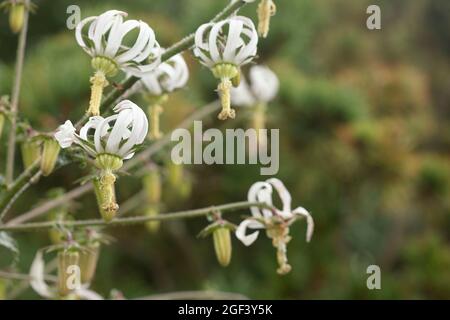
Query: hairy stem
x: 15, y: 96
x: 28, y: 177
x: 35, y: 226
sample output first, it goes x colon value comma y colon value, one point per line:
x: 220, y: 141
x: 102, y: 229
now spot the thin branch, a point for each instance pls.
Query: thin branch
x: 36, y: 226
x: 15, y: 96
x: 173, y: 50
x: 195, y: 295
x: 21, y: 276
x: 28, y: 177
x: 138, y: 159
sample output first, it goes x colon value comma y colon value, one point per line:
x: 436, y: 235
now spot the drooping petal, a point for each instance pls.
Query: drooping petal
x: 248, y: 239
x: 309, y: 221
x: 253, y: 196
x: 37, y: 273
x: 285, y: 197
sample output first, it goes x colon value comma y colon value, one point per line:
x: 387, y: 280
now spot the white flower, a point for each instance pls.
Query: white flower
x: 117, y: 135
x: 167, y: 77
x: 66, y: 134
x: 105, y: 35
x: 263, y: 87
x: 37, y: 282
x: 232, y: 41
x: 262, y: 192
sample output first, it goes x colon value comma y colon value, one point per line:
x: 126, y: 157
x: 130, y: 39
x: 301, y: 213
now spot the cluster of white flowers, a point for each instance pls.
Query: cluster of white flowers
x: 224, y: 47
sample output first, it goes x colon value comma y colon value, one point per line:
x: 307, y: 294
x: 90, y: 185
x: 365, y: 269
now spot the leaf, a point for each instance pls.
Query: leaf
x: 10, y: 244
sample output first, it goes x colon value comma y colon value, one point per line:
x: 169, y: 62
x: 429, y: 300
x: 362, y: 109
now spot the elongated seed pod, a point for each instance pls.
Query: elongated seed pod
x: 222, y: 245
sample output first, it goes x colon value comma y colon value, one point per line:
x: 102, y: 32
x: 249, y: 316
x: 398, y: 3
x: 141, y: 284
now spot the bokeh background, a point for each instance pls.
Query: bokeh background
x: 364, y: 145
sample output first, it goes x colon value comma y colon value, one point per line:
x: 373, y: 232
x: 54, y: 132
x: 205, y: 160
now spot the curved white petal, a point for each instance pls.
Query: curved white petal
x: 65, y: 135
x: 309, y: 221
x: 86, y: 294
x: 37, y: 277
x: 254, y: 196
x: 248, y: 239
x: 285, y: 197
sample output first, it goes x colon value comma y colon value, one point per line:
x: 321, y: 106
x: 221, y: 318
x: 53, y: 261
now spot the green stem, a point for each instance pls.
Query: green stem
x: 18, y: 186
x: 34, y: 226
x: 15, y: 96
x: 173, y: 50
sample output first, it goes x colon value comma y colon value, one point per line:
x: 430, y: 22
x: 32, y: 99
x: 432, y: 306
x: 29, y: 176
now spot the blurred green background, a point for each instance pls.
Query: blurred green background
x: 364, y: 145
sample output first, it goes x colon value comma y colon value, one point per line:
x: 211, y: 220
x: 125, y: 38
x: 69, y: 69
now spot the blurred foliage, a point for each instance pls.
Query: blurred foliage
x: 365, y: 146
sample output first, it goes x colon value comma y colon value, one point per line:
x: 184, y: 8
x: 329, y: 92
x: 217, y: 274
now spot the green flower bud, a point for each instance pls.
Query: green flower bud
x: 235, y: 81
x: 2, y: 123
x: 152, y: 226
x: 88, y: 262
x: 16, y: 16
x: 222, y: 245
x: 68, y: 271
x: 50, y: 154
x: 152, y: 186
x: 31, y: 151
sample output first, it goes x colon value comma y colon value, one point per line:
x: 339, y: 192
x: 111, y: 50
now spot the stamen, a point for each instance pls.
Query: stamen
x: 266, y: 9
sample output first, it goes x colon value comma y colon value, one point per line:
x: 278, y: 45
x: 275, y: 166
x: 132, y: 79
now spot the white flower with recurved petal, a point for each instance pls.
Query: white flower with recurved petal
x: 102, y: 37
x: 275, y: 221
x: 113, y: 139
x: 224, y: 47
x: 116, y: 135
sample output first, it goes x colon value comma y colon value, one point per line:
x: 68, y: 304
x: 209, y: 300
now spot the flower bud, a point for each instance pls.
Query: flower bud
x: 235, y: 81
x: 88, y: 262
x: 175, y: 174
x: 68, y: 271
x: 152, y: 186
x: 152, y: 226
x: 31, y: 151
x: 50, y: 154
x: 16, y: 16
x: 2, y: 122
x: 222, y: 245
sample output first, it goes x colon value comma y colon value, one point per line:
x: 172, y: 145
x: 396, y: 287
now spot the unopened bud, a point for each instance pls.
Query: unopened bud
x: 236, y: 80
x: 68, y: 271
x: 88, y: 262
x: 50, y: 154
x: 175, y: 174
x: 16, y: 16
x: 222, y: 245
x: 152, y: 226
x: 152, y: 186
x: 31, y: 151
x: 2, y: 123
